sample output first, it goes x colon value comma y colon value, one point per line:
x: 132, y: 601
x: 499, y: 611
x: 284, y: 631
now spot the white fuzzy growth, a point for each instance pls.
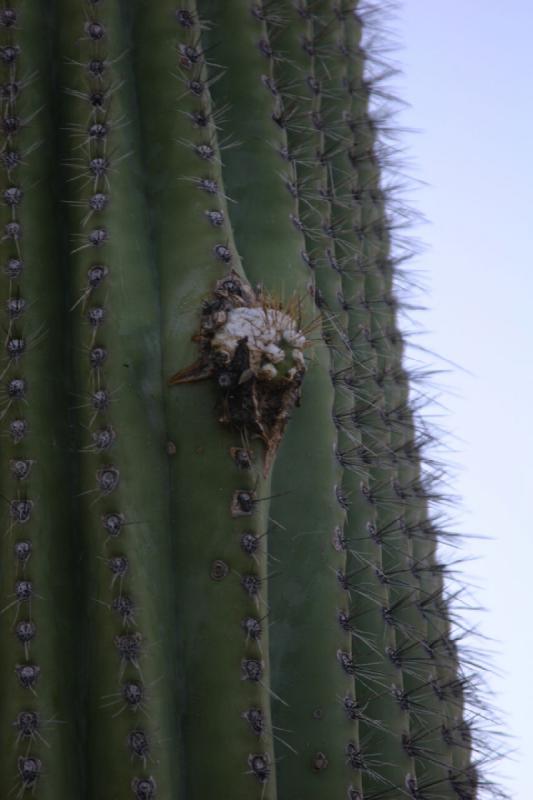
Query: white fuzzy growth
x: 268, y: 332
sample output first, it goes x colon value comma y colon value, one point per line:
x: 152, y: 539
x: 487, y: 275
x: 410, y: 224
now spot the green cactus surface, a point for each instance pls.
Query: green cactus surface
x: 221, y: 568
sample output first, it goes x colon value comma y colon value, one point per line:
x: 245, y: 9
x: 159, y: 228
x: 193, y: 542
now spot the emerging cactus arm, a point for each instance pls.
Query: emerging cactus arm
x: 124, y: 525
x: 39, y: 707
x: 311, y: 652
x: 220, y: 500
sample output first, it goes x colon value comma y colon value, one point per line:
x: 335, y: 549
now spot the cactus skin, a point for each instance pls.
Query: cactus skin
x: 34, y: 432
x: 127, y: 640
x: 211, y: 616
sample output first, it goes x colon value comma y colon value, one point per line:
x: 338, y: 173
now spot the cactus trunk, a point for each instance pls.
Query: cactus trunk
x: 219, y: 572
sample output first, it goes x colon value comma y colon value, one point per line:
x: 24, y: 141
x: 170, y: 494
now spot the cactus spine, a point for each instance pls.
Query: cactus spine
x: 219, y: 570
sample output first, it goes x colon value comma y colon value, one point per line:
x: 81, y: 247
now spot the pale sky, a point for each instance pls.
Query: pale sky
x: 468, y: 75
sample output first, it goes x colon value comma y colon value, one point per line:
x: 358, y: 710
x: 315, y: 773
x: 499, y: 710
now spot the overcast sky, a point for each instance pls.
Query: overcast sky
x: 468, y: 75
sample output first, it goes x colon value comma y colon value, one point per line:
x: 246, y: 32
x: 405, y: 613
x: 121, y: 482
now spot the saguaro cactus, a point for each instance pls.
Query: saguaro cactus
x: 219, y: 570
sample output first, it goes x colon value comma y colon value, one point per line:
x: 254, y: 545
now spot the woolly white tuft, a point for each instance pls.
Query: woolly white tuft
x: 270, y: 333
